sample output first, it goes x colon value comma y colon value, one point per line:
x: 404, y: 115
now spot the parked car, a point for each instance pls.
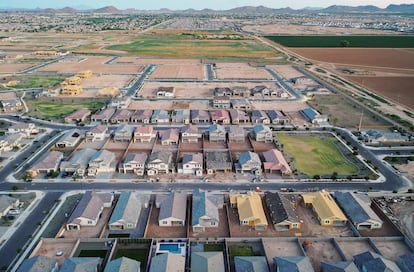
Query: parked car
x: 14, y: 212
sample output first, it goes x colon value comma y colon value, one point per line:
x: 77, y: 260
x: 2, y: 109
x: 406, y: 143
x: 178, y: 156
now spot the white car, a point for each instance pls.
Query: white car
x: 14, y: 212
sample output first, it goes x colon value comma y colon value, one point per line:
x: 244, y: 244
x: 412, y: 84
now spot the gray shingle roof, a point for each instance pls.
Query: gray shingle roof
x: 123, y: 264
x: 175, y: 205
x: 38, y: 263
x: 346, y: 266
x: 251, y: 264
x: 293, y: 264
x: 202, y: 205
x: 207, y: 261
x: 352, y: 207
x: 280, y: 208
x: 84, y: 264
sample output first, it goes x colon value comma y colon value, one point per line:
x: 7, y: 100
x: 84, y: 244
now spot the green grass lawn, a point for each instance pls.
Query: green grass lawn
x: 316, y: 156
x: 138, y: 254
x: 372, y: 41
x: 55, y: 110
x: 37, y: 82
x: 213, y: 247
x: 241, y: 251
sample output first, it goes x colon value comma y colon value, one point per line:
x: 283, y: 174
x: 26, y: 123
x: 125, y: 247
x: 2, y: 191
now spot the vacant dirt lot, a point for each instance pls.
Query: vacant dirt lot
x: 105, y: 81
x: 399, y: 89
x: 13, y: 67
x: 286, y: 106
x: 179, y: 72
x: 354, y: 247
x: 279, y: 247
x: 147, y: 61
x: 392, y: 249
x: 322, y: 251
x: 168, y: 105
x: 285, y: 71
x: 408, y: 171
x: 404, y: 212
x: 240, y: 71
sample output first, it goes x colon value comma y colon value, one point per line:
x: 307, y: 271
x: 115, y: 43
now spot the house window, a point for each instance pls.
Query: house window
x: 89, y: 222
x: 295, y: 225
x: 164, y: 222
x: 245, y: 222
x: 129, y: 225
x: 213, y: 223
x: 327, y: 222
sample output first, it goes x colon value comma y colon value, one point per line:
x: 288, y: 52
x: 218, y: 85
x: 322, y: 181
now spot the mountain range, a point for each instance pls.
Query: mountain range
x: 402, y: 8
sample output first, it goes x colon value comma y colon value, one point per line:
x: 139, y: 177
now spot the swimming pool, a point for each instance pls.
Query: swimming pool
x: 176, y: 248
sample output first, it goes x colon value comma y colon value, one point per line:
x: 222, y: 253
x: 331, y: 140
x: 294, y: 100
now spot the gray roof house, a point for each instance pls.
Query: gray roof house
x: 102, y: 161
x: 207, y: 261
x: 293, y: 264
x: 121, y: 116
x: 70, y: 139
x: 262, y: 133
x: 377, y: 137
x: 192, y: 164
x: 217, y: 133
x: 127, y: 211
x: 241, y: 104
x: 236, y: 134
x: 169, y: 136
x: 123, y: 264
x: 89, y: 210
x: 358, y: 211
x: 239, y: 117
x: 78, y: 163
x: 39, y: 263
x: 249, y: 162
x: 159, y: 162
x: 181, y: 116
x: 372, y: 262
x: 103, y: 116
x: 190, y: 134
x: 278, y: 117
x: 222, y: 91
x: 160, y: 116
x: 173, y: 208
x: 345, y: 266
x: 204, y: 211
x: 260, y: 117
x: 123, y: 133
x: 97, y: 133
x: 218, y: 161
x: 314, y: 117
x: 167, y: 262
x: 282, y: 213
x: 200, y: 117
x: 84, y: 264
x: 250, y: 264
x: 48, y: 163
x: 144, y: 134
x: 142, y: 116
x: 134, y: 163
x: 7, y: 203
x: 221, y: 102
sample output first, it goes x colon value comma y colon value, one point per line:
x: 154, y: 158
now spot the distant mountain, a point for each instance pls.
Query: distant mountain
x: 68, y: 10
x: 349, y: 9
x: 403, y: 8
x: 257, y: 10
x: 107, y: 9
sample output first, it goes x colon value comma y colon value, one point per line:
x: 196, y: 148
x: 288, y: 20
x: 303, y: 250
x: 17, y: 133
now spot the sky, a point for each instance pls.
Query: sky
x: 195, y: 4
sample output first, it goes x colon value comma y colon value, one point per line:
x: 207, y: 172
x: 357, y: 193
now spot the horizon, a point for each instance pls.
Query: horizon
x: 197, y: 5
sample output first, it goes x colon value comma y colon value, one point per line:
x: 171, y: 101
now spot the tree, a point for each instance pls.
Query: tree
x: 15, y: 188
x: 345, y: 43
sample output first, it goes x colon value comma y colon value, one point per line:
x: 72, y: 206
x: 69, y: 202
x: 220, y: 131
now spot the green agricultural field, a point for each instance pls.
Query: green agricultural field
x: 316, y: 156
x: 37, y: 82
x: 54, y: 110
x: 177, y: 45
x: 383, y: 41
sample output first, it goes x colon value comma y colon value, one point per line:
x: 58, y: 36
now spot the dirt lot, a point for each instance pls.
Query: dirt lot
x: 259, y: 147
x: 191, y: 147
x: 392, y: 249
x: 168, y: 105
x: 398, y: 89
x: 155, y: 231
x: 104, y: 81
x: 240, y: 71
x: 286, y: 106
x: 408, y: 170
x: 14, y: 67
x: 90, y: 232
x: 148, y: 61
x: 322, y: 251
x: 95, y: 64
x: 342, y: 111
x: 286, y: 71
x: 221, y: 231
x: 98, y: 145
x: 279, y: 247
x: 404, y: 212
x: 353, y: 247
x: 49, y: 247
x: 179, y: 72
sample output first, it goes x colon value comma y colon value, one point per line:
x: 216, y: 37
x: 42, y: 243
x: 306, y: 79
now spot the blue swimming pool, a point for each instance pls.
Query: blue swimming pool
x: 176, y: 248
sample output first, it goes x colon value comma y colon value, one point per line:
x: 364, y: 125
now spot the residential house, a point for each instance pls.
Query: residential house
x: 293, y: 263
x: 142, y: 116
x: 251, y: 264
x: 169, y: 136
x: 282, y: 212
x: 221, y: 102
x: 127, y: 211
x: 123, y: 264
x: 381, y: 137
x: 160, y: 117
x: 120, y: 102
x: 10, y: 141
x: 103, y: 116
x: 262, y: 133
x: 101, y: 162
x: 205, y: 210
x: 200, y: 117
x: 167, y: 262
x: 260, y: 91
x: 70, y: 139
x: 314, y: 117
x: 236, y: 134
x: 48, y: 163
x: 192, y: 164
x: 344, y: 266
x: 166, y: 91
x: 371, y: 262
x: 218, y: 161
x: 121, y: 116
x: 97, y: 133
x: 134, y: 163
x: 78, y: 163
x: 78, y: 116
x: 225, y: 91
x: 207, y: 261
x: 249, y: 162
x: 220, y: 117
x: 145, y: 134
x: 302, y: 80
x: 241, y: 104
x: 10, y: 102
x: 260, y: 117
x: 181, y: 116
x: 239, y: 117
x: 278, y: 118
x: 250, y: 210
x: 358, y: 211
x: 39, y: 263
x: 240, y: 91
x: 86, y: 264
x: 7, y: 203
x: 26, y: 129
x: 217, y: 133
x: 190, y: 134
x: 159, y: 162
x: 173, y: 208
x: 89, y: 209
x: 123, y: 133
x: 325, y: 208
x: 275, y: 161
